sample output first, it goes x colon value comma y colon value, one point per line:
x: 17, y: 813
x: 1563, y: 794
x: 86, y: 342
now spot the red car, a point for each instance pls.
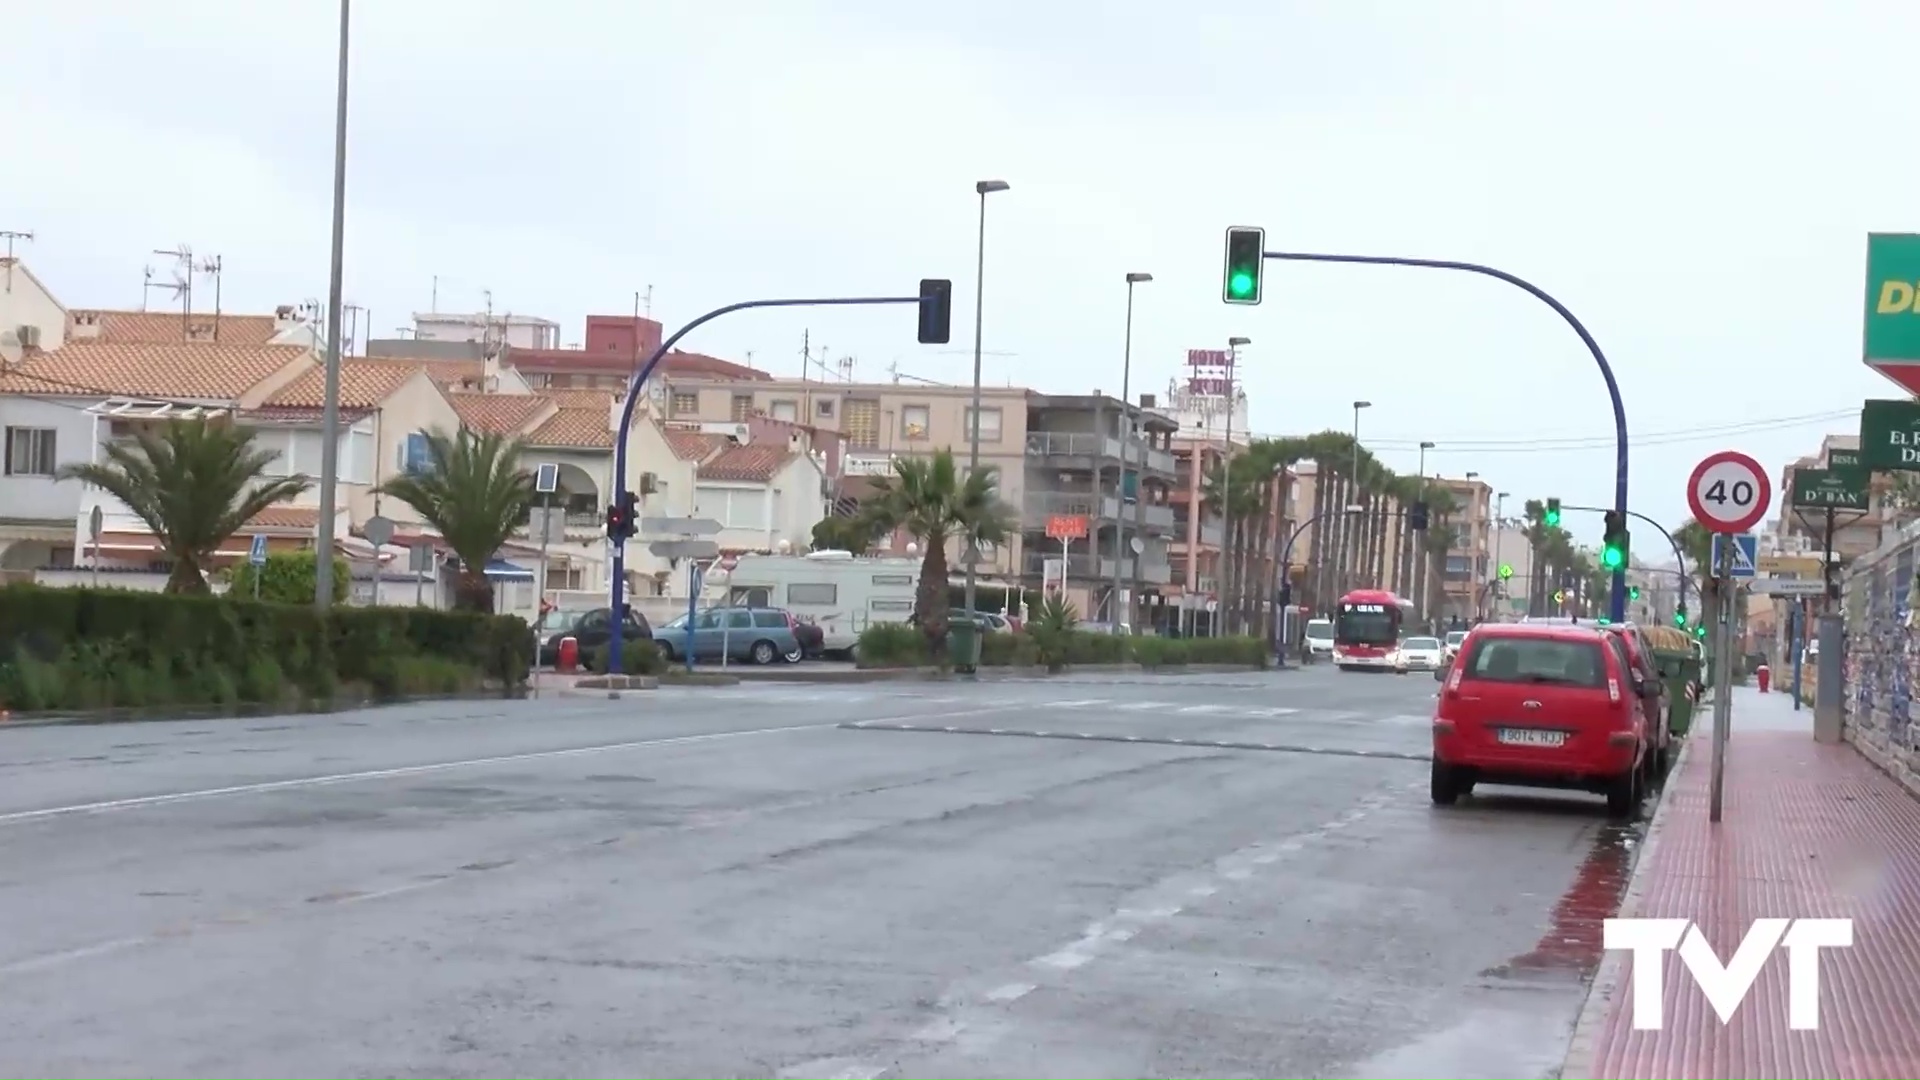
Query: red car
x: 1547, y: 706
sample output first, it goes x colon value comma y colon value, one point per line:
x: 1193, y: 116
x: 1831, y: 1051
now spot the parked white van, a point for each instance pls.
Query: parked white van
x: 837, y: 591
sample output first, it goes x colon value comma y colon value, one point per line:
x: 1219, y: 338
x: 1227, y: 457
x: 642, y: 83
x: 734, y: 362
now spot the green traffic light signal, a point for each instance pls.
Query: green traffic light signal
x: 1506, y: 571
x: 1613, y: 557
x: 1680, y: 619
x: 1633, y: 592
x: 1246, y: 251
x: 1553, y: 513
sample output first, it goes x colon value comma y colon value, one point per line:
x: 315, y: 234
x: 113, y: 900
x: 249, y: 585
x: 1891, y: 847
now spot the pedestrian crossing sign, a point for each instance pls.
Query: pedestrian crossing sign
x: 1745, y: 552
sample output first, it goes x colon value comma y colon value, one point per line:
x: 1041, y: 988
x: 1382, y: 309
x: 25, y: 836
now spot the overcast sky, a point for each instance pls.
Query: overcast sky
x: 1695, y: 180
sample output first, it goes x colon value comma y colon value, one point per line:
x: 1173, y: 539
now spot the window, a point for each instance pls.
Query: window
x: 989, y: 425
x: 742, y: 408
x: 1459, y: 567
x: 892, y: 605
x: 798, y: 593
x: 914, y: 421
x: 733, y: 508
x: 1538, y: 660
x: 862, y: 423
x: 893, y: 579
x: 683, y: 403
x: 30, y: 451
x: 739, y: 620
x: 414, y: 456
x: 784, y: 410
x: 823, y: 408
x: 770, y: 620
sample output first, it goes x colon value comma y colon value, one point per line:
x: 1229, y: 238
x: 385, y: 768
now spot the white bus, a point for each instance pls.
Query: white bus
x: 837, y: 591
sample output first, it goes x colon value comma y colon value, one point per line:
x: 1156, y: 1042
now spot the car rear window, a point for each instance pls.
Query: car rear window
x: 770, y: 620
x: 1538, y: 660
x: 1422, y: 643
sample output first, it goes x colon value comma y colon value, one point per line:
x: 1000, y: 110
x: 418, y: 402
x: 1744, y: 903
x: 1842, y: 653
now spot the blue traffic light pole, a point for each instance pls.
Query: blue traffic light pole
x: 618, y: 586
x: 1678, y: 555
x: 1618, y: 602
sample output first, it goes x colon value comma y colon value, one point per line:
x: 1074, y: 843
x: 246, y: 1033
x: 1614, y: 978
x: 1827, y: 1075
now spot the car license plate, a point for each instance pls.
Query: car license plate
x: 1532, y: 737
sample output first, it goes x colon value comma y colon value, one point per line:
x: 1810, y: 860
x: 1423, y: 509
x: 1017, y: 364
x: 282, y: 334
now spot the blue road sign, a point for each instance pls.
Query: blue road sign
x: 1746, y: 553
x: 257, y: 554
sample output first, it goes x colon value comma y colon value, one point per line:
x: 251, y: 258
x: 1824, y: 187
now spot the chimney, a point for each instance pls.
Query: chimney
x: 286, y: 315
x: 86, y: 326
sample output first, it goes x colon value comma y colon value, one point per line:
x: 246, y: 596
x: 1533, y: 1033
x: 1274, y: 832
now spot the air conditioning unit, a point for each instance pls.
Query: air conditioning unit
x: 736, y: 432
x: 29, y: 336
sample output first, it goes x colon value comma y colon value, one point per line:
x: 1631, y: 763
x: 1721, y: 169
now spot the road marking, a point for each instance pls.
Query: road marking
x: 55, y: 959
x: 143, y: 801
x: 1199, y: 709
x: 1010, y: 992
x: 1079, y: 704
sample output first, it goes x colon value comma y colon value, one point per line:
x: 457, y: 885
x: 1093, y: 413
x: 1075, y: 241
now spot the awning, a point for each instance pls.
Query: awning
x: 502, y: 570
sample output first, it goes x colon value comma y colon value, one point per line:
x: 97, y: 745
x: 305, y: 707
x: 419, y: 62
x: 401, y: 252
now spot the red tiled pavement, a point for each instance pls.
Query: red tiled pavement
x: 1807, y: 830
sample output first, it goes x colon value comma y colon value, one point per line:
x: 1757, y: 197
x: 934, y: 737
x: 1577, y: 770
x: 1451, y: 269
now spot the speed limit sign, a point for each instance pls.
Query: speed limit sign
x: 1729, y: 492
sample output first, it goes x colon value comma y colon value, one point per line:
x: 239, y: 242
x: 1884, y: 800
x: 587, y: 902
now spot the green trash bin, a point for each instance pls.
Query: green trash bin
x: 963, y: 645
x: 1678, y: 671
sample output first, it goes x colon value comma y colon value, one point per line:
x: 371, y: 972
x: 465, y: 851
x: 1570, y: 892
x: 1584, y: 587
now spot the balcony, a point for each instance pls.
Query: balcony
x: 1072, y: 444
x: 1085, y: 568
x: 1103, y: 509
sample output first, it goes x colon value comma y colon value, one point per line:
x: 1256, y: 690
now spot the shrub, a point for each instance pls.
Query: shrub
x: 287, y: 578
x: 78, y: 649
x: 636, y: 658
x: 1156, y: 652
x: 1228, y: 650
x: 891, y: 644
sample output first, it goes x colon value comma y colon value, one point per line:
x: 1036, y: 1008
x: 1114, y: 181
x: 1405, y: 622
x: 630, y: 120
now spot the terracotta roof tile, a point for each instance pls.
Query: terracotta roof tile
x: 568, y: 398
x: 498, y: 414
x: 446, y: 373
x: 755, y: 462
x: 189, y: 371
x: 585, y: 429
x: 287, y: 517
x: 171, y: 327
x: 693, y: 445
x: 674, y: 363
x: 364, y: 384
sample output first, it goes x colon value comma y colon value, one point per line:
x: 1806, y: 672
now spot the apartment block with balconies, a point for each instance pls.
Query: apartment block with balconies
x: 1468, y: 569
x: 1107, y: 467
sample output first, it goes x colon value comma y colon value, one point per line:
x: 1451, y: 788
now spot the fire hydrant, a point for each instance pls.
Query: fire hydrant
x: 1764, y: 675
x: 568, y: 656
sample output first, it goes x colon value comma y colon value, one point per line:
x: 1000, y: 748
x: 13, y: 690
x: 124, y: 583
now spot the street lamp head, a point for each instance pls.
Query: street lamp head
x: 1426, y: 446
x: 1136, y: 279
x: 1236, y: 342
x: 1363, y: 404
x: 1473, y: 476
x: 988, y: 187
x: 1501, y: 494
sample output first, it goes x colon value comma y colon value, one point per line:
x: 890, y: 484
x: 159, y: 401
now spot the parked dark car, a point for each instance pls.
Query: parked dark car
x: 592, y: 629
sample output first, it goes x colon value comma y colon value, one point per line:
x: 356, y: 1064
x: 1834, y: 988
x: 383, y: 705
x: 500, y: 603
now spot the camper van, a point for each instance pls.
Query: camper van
x: 837, y: 591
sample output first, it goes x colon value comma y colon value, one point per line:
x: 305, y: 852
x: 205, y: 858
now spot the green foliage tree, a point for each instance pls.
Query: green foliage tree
x: 193, y: 483
x: 287, y: 578
x: 928, y: 498
x: 474, y: 493
x: 840, y: 532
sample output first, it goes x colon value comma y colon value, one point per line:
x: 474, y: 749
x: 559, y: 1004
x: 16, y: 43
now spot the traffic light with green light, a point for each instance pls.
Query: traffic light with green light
x: 1553, y: 513
x: 1506, y: 571
x: 1680, y: 618
x: 1633, y: 592
x: 1700, y: 631
x: 1613, y: 549
x: 1246, y: 252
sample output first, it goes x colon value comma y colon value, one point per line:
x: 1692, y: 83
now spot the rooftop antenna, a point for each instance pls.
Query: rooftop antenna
x: 352, y: 312
x: 749, y: 359
x: 182, y: 283
x: 433, y: 301
x: 10, y: 235
x: 649, y: 301
x: 845, y: 364
x: 176, y: 287
x: 211, y: 268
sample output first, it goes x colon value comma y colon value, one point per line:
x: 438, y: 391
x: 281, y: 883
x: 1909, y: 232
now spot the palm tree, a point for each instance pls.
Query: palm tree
x: 840, y: 532
x: 928, y: 498
x: 474, y: 493
x: 1233, y: 490
x: 194, y: 483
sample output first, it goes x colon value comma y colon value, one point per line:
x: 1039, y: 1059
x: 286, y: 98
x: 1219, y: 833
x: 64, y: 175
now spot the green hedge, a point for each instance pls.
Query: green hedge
x: 79, y: 649
x: 885, y: 645
x: 636, y: 658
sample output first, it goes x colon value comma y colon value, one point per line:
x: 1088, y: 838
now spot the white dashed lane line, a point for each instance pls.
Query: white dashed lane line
x: 1160, y: 740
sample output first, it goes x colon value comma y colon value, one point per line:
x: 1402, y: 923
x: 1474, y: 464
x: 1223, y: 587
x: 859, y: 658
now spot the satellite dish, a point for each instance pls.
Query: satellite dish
x: 1137, y: 545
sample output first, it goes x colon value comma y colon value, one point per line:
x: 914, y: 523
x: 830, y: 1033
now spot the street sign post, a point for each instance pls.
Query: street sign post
x: 378, y: 530
x: 96, y: 524
x: 685, y: 549
x: 685, y: 526
x: 1745, y: 554
x: 257, y: 558
x: 1787, y: 587
x: 1729, y: 492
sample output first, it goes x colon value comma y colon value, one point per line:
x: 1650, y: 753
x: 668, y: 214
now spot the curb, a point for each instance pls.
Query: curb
x: 10, y: 721
x: 1610, y: 978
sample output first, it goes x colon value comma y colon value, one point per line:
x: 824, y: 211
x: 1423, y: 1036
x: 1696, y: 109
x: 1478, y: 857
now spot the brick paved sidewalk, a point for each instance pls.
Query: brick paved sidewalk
x: 1807, y: 830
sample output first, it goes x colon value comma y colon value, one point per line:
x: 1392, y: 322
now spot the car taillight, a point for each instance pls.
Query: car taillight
x: 792, y: 623
x: 1613, y: 691
x: 1453, y: 680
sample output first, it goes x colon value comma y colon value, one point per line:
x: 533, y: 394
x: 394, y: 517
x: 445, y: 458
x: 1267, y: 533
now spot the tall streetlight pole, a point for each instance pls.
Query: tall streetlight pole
x: 984, y: 188
x: 1128, y: 431
x: 330, y: 410
x: 1499, y: 528
x: 1226, y: 475
x: 1353, y: 487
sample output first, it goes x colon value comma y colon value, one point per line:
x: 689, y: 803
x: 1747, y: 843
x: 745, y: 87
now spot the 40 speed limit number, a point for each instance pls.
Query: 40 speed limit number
x: 1729, y: 492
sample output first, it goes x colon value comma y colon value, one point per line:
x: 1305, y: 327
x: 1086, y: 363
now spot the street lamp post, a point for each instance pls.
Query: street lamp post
x: 1499, y: 586
x: 1353, y: 486
x: 330, y: 408
x: 1129, y: 429
x: 984, y: 188
x: 1220, y: 609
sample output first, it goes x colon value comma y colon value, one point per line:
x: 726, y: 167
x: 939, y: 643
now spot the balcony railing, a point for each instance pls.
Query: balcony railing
x: 1081, y: 444
x: 1102, y: 509
x: 1096, y: 568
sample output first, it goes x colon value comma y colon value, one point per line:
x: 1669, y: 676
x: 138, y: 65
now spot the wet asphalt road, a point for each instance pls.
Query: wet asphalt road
x: 1075, y: 880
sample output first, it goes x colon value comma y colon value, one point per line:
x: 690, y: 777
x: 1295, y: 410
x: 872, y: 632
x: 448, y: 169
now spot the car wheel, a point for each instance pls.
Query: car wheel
x: 764, y: 652
x: 795, y: 656
x: 666, y: 652
x: 1624, y: 795
x: 1445, y: 784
